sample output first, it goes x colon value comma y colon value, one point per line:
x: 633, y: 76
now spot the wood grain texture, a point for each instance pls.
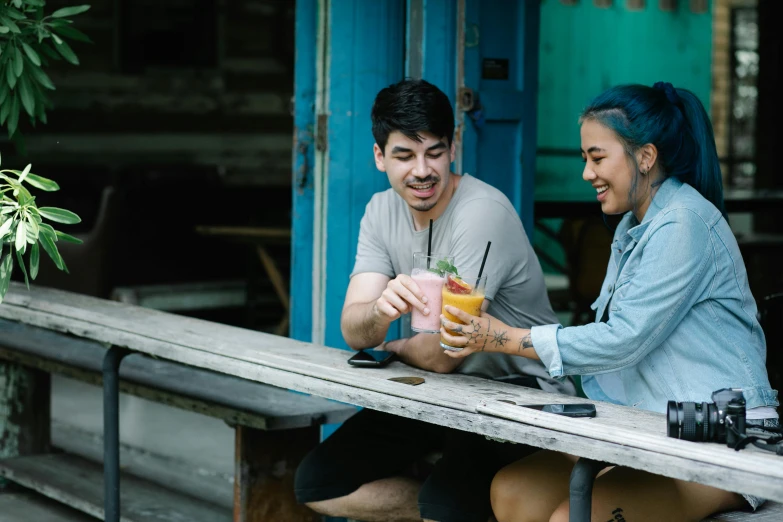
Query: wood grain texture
x: 619, y: 435
x: 29, y: 507
x: 232, y: 399
x: 78, y: 483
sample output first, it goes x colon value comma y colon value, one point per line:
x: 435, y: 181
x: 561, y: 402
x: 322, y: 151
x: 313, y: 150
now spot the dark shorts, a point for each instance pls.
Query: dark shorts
x: 372, y: 445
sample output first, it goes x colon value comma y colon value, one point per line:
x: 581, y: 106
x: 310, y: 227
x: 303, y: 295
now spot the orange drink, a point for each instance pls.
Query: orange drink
x: 465, y: 293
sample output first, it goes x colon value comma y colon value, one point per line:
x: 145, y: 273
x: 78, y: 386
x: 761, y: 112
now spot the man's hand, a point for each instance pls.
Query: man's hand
x: 398, y: 298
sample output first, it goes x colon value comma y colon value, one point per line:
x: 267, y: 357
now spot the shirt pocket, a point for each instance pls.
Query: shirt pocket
x: 620, y: 289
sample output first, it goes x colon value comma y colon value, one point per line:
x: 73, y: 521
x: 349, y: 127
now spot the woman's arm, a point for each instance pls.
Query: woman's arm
x: 485, y: 333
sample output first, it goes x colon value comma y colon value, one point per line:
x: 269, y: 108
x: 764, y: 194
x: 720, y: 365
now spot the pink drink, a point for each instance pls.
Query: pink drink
x: 431, y: 285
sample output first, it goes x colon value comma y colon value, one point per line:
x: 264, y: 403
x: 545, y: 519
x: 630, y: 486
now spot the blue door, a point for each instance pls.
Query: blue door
x: 483, y: 54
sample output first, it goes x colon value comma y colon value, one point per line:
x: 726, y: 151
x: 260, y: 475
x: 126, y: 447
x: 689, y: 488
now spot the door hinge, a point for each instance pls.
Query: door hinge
x: 320, y: 133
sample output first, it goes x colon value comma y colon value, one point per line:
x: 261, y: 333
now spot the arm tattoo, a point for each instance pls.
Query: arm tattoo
x: 499, y: 338
x: 525, y: 342
x: 489, y: 326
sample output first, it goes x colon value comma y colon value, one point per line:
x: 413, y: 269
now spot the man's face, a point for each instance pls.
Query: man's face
x: 418, y: 171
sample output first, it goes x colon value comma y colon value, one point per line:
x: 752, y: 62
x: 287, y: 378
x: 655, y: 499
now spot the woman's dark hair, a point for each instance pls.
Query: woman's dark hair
x: 411, y: 107
x: 674, y: 120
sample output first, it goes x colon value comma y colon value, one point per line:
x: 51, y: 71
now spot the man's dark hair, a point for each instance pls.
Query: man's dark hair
x: 411, y: 107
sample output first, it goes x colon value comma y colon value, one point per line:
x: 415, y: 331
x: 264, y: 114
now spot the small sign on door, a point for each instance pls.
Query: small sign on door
x: 494, y: 69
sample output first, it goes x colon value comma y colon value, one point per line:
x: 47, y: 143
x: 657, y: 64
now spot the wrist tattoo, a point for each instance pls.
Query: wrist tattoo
x: 499, y: 338
x: 486, y: 338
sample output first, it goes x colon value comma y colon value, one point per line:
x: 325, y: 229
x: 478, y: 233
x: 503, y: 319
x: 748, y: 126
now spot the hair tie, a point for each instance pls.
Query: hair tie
x: 669, y: 90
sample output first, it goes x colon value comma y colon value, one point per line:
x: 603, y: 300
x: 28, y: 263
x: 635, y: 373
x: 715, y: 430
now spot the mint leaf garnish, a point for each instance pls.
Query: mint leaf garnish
x: 443, y: 267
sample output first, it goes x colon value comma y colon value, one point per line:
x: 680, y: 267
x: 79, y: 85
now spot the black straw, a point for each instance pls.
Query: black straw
x: 429, y: 246
x: 481, y: 270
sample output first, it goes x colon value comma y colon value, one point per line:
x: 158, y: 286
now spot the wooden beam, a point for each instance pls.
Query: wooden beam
x: 266, y: 462
x: 25, y: 411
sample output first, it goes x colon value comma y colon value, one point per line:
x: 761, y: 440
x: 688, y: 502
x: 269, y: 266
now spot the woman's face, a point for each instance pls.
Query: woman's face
x: 607, y: 168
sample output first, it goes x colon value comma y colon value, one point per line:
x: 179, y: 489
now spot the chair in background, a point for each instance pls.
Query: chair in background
x: 587, y: 243
x: 89, y: 263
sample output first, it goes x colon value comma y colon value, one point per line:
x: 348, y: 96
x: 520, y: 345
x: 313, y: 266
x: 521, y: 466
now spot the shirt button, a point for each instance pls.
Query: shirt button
x: 609, y: 288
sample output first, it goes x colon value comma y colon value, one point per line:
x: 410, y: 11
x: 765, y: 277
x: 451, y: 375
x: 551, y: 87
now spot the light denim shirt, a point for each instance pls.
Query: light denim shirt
x: 682, y: 321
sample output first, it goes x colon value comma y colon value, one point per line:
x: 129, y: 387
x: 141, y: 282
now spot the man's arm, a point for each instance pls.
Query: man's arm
x: 424, y: 351
x: 373, y: 301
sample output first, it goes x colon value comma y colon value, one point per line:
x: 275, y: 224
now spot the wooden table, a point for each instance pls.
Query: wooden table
x: 618, y: 435
x: 260, y: 237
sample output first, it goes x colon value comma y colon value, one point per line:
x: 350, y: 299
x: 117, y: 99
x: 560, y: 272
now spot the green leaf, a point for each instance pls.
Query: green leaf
x: 50, y: 248
x: 41, y: 77
x: 5, y: 110
x: 20, y: 260
x: 21, y: 236
x: 48, y: 51
x: 10, y: 76
x: 10, y: 24
x: 26, y: 94
x: 65, y: 50
x: 60, y: 215
x: 68, y: 238
x: 6, y: 267
x: 73, y: 34
x: 31, y: 54
x: 70, y: 11
x: 42, y: 183
x: 16, y: 15
x: 13, y: 116
x: 18, y: 62
x: 35, y: 259
x: 25, y: 172
x: 5, y: 228
x: 4, y: 29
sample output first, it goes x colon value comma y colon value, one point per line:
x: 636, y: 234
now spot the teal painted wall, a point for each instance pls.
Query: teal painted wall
x: 586, y: 49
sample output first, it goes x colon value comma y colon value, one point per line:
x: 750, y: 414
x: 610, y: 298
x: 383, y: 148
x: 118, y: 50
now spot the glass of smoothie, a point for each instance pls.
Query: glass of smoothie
x: 466, y: 292
x: 429, y: 273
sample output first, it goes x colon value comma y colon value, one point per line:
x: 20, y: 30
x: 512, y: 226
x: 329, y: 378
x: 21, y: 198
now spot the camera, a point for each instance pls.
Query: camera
x: 722, y: 420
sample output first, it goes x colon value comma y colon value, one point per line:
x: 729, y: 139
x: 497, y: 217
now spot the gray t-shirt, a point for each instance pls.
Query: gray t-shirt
x: 477, y: 213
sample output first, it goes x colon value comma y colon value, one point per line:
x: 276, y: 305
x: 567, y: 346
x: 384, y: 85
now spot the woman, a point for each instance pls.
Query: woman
x: 675, y: 319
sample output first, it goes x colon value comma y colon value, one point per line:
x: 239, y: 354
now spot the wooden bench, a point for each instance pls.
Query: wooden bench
x: 274, y: 429
x: 617, y: 435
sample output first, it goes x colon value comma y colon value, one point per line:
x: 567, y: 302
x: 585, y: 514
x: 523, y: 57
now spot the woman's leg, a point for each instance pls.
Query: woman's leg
x: 625, y: 494
x: 529, y: 490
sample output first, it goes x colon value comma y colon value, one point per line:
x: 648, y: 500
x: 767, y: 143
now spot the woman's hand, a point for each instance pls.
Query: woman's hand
x: 478, y: 334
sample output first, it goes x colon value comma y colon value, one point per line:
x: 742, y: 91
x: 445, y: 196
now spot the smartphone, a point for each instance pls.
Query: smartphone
x: 569, y: 410
x: 371, y: 358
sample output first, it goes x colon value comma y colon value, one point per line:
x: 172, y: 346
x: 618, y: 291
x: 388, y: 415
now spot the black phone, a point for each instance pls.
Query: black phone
x: 371, y: 358
x: 569, y: 410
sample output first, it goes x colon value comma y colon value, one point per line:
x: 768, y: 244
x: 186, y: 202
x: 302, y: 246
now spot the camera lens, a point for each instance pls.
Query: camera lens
x: 691, y: 420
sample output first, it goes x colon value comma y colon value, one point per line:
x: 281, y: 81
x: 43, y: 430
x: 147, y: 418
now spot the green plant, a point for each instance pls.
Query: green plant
x: 21, y: 224
x: 28, y: 41
x: 444, y: 267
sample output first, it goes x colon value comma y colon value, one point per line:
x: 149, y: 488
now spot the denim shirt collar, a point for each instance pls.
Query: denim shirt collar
x: 665, y: 192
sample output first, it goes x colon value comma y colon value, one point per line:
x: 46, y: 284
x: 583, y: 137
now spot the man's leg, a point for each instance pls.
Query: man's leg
x: 359, y: 471
x: 458, y: 488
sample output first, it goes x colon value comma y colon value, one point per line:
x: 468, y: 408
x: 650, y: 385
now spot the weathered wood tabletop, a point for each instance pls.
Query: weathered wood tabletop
x: 618, y: 435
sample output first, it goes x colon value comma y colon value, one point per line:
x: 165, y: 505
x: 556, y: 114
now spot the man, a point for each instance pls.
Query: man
x: 361, y: 471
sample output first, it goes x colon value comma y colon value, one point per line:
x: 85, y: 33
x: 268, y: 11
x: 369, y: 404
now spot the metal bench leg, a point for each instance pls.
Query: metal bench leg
x: 111, y: 433
x: 581, y: 489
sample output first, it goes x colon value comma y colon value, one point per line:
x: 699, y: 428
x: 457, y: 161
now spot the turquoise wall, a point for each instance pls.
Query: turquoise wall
x: 586, y: 49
